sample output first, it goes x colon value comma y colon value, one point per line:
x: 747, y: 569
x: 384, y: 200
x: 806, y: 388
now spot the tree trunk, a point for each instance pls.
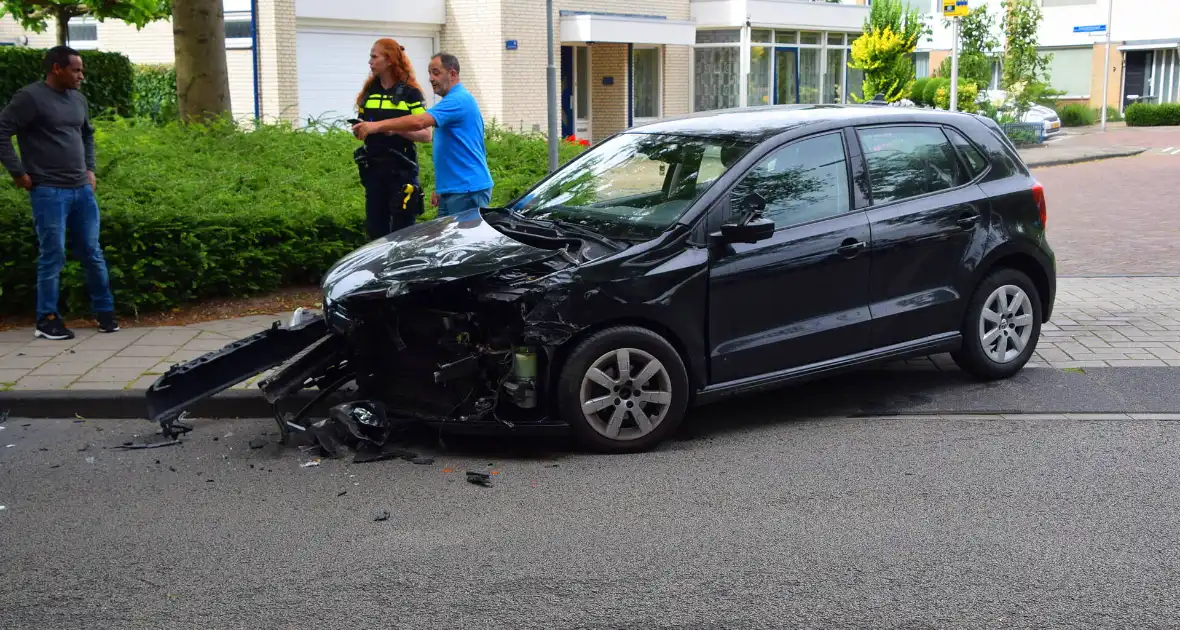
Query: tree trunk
x: 62, y: 27
x: 202, y: 80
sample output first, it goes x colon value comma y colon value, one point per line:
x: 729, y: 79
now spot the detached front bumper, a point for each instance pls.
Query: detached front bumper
x: 210, y: 374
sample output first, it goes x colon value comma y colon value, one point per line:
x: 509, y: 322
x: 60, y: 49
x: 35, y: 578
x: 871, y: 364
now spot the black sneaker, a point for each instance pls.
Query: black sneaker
x: 51, y: 327
x: 107, y: 323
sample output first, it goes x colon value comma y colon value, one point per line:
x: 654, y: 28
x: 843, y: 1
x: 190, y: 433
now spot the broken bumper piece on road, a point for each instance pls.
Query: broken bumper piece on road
x: 448, y: 375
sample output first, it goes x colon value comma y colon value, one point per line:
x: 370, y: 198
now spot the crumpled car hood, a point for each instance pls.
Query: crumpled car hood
x: 427, y: 254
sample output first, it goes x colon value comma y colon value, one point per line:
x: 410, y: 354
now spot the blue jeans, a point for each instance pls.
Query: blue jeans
x: 54, y: 211
x: 453, y: 203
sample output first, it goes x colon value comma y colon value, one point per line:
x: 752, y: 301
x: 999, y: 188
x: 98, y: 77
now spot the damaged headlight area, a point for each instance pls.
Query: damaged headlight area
x: 465, y: 354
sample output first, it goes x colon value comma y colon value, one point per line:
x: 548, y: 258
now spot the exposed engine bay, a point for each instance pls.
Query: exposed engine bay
x: 462, y: 337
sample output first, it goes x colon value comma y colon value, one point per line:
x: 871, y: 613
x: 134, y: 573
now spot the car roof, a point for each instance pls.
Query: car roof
x: 756, y: 124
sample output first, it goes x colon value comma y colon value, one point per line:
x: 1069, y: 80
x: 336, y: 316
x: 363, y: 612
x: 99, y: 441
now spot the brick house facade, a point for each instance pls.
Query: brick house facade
x: 620, y: 62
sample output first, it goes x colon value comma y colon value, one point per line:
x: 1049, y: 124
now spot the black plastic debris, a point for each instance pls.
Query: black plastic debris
x: 423, y: 461
x: 342, y: 493
x: 4, y: 415
x: 365, y: 420
x: 257, y: 443
x: 367, y: 455
x: 131, y: 446
x: 479, y: 478
x: 382, y: 515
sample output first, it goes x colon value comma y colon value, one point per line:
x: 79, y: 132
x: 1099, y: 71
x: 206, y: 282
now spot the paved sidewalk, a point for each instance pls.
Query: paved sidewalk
x: 1098, y: 322
x: 1062, y: 154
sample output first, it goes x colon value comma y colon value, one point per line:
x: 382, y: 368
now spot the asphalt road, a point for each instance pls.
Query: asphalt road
x: 838, y: 523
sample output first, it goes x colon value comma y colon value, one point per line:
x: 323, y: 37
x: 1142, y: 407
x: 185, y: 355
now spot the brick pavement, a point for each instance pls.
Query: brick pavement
x: 1098, y: 322
x: 1116, y: 217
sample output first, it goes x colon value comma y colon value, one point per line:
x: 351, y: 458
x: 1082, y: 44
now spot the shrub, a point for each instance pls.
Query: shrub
x: 966, y: 97
x: 918, y: 91
x: 932, y: 89
x: 199, y: 212
x: 108, y: 85
x: 1076, y: 115
x: 1112, y: 114
x: 1150, y: 115
x: 155, y: 92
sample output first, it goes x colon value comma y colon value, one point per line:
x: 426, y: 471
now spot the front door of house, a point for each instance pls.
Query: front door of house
x: 575, y: 91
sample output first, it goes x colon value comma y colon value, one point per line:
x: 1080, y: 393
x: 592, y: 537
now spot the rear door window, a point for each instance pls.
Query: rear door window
x: 910, y: 161
x: 976, y: 163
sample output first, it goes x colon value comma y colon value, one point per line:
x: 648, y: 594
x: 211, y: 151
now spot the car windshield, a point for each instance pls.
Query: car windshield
x: 633, y: 186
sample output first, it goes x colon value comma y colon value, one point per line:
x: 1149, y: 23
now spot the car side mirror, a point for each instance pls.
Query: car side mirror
x: 749, y: 226
x: 751, y: 231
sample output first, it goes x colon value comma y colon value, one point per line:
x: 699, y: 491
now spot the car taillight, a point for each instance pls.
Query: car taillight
x: 1038, y: 192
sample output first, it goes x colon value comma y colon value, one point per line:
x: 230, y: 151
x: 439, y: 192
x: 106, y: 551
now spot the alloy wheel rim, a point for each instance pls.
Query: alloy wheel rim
x: 625, y: 394
x: 1006, y: 324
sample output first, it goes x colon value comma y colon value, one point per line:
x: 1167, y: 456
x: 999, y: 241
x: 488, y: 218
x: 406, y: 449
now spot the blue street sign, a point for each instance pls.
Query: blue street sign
x: 510, y: 44
x: 1093, y: 28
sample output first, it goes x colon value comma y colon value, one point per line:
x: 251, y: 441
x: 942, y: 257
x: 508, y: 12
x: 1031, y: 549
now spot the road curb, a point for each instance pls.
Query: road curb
x: 129, y: 405
x: 1085, y: 158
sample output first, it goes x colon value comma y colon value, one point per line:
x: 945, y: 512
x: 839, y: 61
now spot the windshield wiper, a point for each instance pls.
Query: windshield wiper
x: 585, y: 231
x: 567, y: 227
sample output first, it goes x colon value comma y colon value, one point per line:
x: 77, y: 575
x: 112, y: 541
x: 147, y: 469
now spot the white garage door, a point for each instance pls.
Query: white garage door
x: 333, y: 65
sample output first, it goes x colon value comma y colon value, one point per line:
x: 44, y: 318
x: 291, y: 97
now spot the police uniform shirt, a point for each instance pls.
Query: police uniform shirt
x: 383, y: 104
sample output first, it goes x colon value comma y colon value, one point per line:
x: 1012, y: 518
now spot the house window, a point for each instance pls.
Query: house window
x: 645, y: 63
x: 83, y: 32
x: 921, y: 65
x: 1070, y: 69
x: 716, y: 69
x: 237, y: 29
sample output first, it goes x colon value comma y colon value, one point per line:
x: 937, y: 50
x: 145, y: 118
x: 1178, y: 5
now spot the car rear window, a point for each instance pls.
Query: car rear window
x: 906, y: 162
x: 976, y: 163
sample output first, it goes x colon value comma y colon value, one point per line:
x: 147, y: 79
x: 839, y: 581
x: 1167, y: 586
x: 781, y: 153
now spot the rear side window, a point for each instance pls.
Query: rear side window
x: 906, y: 162
x: 976, y: 163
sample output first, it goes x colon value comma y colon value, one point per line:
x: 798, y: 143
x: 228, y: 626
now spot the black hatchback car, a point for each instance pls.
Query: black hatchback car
x: 672, y: 264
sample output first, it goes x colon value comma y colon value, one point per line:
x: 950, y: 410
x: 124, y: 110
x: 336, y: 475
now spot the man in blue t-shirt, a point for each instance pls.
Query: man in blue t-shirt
x: 461, y: 177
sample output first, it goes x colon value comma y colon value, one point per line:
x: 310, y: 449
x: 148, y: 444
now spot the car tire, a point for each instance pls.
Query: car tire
x: 606, y: 413
x: 989, y: 355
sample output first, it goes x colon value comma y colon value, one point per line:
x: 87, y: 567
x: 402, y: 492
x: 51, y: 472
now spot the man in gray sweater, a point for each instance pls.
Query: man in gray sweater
x: 51, y: 121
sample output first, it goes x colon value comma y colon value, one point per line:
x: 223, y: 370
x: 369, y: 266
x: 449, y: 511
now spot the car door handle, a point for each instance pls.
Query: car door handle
x: 968, y: 221
x: 850, y: 247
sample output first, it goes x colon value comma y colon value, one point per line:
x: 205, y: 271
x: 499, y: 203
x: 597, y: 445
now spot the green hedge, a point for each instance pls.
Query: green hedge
x: 931, y: 90
x: 201, y: 212
x: 155, y: 92
x: 918, y: 91
x: 1077, y: 115
x: 109, y: 83
x: 1149, y: 115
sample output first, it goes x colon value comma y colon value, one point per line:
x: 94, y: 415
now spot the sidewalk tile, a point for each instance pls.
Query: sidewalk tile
x: 94, y: 385
x: 43, y: 383
x: 156, y: 352
x: 112, y: 341
x: 25, y: 362
x: 141, y: 363
x: 12, y: 348
x: 44, y: 350
x: 168, y: 337
x: 111, y: 375
x: 143, y: 382
x: 12, y: 375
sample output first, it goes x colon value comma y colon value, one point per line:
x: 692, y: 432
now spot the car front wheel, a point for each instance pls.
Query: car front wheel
x: 623, y: 390
x: 1001, y: 327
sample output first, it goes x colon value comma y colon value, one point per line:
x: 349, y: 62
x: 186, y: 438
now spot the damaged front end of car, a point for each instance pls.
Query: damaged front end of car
x: 451, y: 323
